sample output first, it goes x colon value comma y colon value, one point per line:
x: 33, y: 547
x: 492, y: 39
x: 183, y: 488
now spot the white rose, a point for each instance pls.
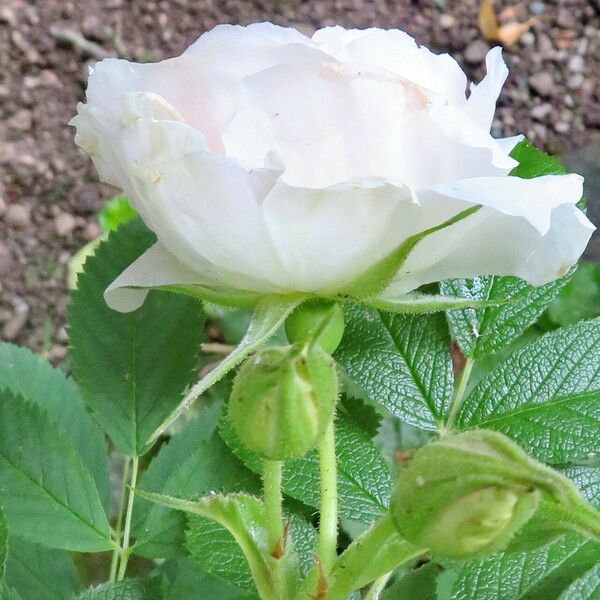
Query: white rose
x: 269, y: 162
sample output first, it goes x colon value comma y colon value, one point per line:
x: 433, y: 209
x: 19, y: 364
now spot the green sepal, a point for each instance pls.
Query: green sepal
x: 416, y: 303
x: 218, y: 295
x: 378, y: 277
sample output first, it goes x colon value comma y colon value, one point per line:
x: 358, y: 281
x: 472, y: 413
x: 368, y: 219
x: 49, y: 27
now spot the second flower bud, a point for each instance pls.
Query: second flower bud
x: 283, y: 399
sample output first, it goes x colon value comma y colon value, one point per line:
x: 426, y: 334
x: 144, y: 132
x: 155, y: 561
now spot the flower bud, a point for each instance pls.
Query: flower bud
x: 318, y: 321
x: 283, y: 399
x: 467, y: 495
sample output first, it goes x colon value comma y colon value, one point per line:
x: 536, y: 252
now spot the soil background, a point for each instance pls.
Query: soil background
x: 49, y: 191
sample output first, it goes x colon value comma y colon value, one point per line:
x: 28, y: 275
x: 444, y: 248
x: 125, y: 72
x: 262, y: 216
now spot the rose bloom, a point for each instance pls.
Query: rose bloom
x: 268, y: 162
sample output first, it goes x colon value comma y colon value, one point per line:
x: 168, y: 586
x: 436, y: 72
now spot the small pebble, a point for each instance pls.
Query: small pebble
x: 542, y: 83
x: 576, y: 64
x: 2, y: 206
x: 541, y: 111
x: 447, y: 21
x: 476, y: 51
x: 64, y: 224
x: 562, y: 127
x: 15, y: 323
x: 18, y: 216
x: 537, y: 8
x: 575, y: 81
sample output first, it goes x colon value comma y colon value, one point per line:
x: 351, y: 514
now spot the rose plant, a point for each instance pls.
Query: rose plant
x: 337, y: 207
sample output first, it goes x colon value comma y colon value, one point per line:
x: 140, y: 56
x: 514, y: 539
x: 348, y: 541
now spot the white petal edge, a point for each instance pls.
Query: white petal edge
x: 155, y: 267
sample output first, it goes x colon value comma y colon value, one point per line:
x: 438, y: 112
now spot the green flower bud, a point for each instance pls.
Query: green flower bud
x: 283, y: 399
x: 318, y: 321
x: 469, y: 494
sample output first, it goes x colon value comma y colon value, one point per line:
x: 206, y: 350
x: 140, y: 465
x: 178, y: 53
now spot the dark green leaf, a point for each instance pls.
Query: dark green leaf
x: 132, y: 368
x: 210, y: 467
x: 189, y: 582
x: 130, y: 589
x: 420, y: 584
x: 46, y: 491
x: 540, y: 574
x: 546, y: 396
x: 484, y: 331
x: 587, y: 587
x: 39, y: 573
x: 30, y: 376
x: 364, y: 479
x: 579, y: 298
x: 363, y: 414
x: 400, y: 361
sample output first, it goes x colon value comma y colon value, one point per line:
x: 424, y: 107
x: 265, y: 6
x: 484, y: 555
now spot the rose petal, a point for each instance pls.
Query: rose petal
x: 529, y: 228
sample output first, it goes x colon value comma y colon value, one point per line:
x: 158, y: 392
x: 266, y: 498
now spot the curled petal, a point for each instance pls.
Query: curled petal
x: 530, y: 228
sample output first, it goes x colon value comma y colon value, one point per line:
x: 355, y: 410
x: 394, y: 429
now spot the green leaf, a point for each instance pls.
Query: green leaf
x: 130, y: 589
x: 534, y: 162
x: 484, y: 331
x: 47, y: 493
x: 3, y: 544
x: 401, y: 361
x: 420, y: 584
x: 131, y: 367
x: 269, y: 315
x: 190, y: 583
x: 587, y: 587
x: 210, y: 468
x: 540, y: 574
x: 546, y: 396
x: 579, y: 299
x: 364, y: 480
x: 244, y: 518
x: 216, y: 551
x: 535, y: 575
x: 115, y: 212
x: 30, y: 376
x: 38, y: 573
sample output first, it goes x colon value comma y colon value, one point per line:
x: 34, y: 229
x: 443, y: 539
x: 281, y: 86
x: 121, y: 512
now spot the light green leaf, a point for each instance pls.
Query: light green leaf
x: 39, y: 573
x: 484, y: 331
x: 587, y: 587
x: 364, y: 480
x: 269, y: 315
x: 115, y: 212
x: 401, y: 361
x: 47, y: 493
x: 131, y: 368
x: 211, y: 467
x: 546, y: 396
x: 30, y: 376
x: 130, y: 589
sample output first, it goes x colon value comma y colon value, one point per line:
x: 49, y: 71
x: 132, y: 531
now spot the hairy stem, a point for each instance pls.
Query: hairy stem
x: 328, y: 513
x: 119, y: 524
x: 459, y: 394
x: 273, y: 502
x: 378, y: 586
x: 370, y: 556
x: 135, y: 461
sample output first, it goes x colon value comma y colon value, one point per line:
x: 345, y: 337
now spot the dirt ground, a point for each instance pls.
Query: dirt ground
x: 49, y: 191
